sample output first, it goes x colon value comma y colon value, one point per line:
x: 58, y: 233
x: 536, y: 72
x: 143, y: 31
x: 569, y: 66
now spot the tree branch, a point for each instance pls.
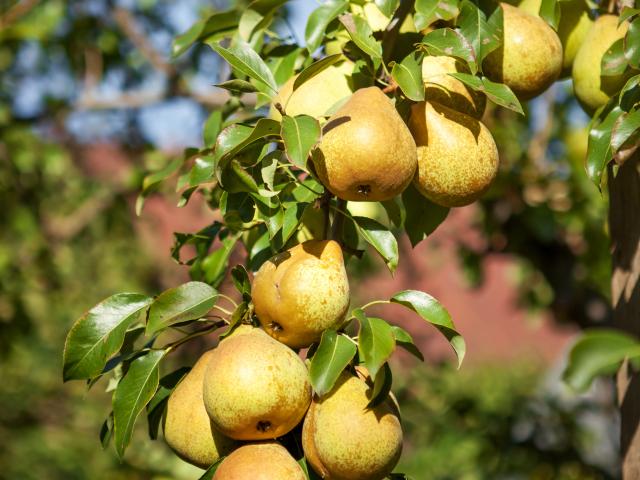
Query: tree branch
x: 16, y: 12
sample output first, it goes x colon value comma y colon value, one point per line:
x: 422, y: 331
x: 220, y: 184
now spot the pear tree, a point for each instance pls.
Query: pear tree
x: 382, y: 102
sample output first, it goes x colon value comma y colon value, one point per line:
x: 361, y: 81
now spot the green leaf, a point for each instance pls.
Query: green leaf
x: 614, y: 61
x: 134, y: 391
x: 235, y: 138
x: 422, y: 215
x: 215, y: 263
x: 483, y: 36
x: 362, y: 35
x: 387, y: 7
x: 430, y: 11
x: 240, y: 279
x: 318, y: 21
x: 211, y: 471
x: 314, y: 69
x: 299, y: 134
x: 598, y: 352
x: 154, y: 179
x: 282, y: 62
x: 449, y: 42
x: 235, y: 179
x: 599, y: 152
x: 498, y: 93
x: 627, y: 12
x: 202, y: 170
x: 433, y: 312
x: 408, y: 76
x: 189, y: 301
x: 630, y: 93
x: 381, y: 386
x: 238, y: 86
x: 632, y: 43
x: 100, y: 333
x: 244, y: 59
x: 376, y: 342
x: 626, y: 127
x: 380, y: 238
x: 212, y: 128
x: 404, y: 340
x: 550, y: 12
x: 106, y: 431
x: 158, y: 404
x: 257, y: 14
x: 332, y: 356
x: 218, y: 24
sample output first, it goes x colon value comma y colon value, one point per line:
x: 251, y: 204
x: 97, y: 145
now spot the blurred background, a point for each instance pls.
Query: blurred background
x: 90, y: 100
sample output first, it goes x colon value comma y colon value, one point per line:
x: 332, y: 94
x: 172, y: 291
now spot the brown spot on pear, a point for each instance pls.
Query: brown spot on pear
x: 448, y: 91
x: 187, y: 427
x: 592, y: 90
x: 302, y: 292
x: 260, y: 461
x: 344, y: 440
x: 530, y: 59
x: 457, y: 156
x: 255, y: 388
x: 366, y: 152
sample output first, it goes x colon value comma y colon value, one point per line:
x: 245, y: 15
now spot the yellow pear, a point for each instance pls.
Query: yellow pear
x: 572, y: 30
x: 316, y: 96
x: 344, y: 440
x: 300, y: 293
x: 187, y: 427
x: 457, y: 156
x: 530, y: 59
x: 448, y: 91
x: 255, y: 388
x: 366, y: 152
x: 260, y: 461
x: 592, y: 90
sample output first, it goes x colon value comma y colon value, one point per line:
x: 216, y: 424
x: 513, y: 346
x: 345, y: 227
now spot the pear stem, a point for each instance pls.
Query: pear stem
x: 197, y: 333
x: 229, y: 299
x: 223, y: 310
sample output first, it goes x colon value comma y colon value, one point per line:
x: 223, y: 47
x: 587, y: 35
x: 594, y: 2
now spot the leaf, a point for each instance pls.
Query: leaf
x: 318, y: 21
x: 362, y: 35
x: 214, y: 265
x: 106, y: 431
x: 430, y: 11
x: 240, y: 279
x: 381, y: 386
x: 244, y: 59
x: 100, y: 333
x: 217, y: 24
x: 473, y: 25
x: 433, y: 312
x: 332, y: 356
x: 254, y: 16
x: 404, y: 340
x: 422, y: 215
x: 445, y: 41
x: 235, y: 138
x: 211, y: 471
x: 376, y: 342
x: 380, y: 238
x: 387, y: 7
x: 189, y: 301
x: 154, y: 179
x: 632, y: 43
x: 550, y: 12
x: 614, y: 61
x: 624, y: 128
x: 134, y: 391
x: 408, y: 76
x: 299, y: 134
x: 599, y: 152
x: 595, y: 353
x: 237, y: 85
x: 202, y: 170
x: 627, y: 12
x: 498, y: 93
x: 158, y: 404
x: 314, y: 69
x: 212, y: 128
x: 630, y: 93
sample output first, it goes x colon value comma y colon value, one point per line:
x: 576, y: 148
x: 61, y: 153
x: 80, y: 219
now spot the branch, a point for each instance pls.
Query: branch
x: 16, y: 12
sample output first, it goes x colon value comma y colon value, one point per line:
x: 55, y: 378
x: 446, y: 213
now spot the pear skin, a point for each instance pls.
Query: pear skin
x: 457, y: 156
x: 300, y: 293
x: 344, y: 440
x: 316, y: 96
x: 187, y: 427
x: 260, y: 461
x: 592, y: 90
x: 366, y: 152
x: 530, y: 59
x: 448, y: 91
x: 255, y: 388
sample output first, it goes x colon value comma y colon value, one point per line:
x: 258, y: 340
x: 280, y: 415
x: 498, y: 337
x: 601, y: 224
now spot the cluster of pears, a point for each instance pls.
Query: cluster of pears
x: 253, y: 389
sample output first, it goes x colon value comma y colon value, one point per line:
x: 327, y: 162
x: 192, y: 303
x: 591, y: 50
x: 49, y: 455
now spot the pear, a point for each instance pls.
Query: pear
x: 300, y: 293
x: 457, y: 156
x: 344, y: 440
x: 316, y: 96
x: 448, y: 91
x: 590, y: 88
x: 366, y: 152
x: 260, y: 461
x: 255, y: 388
x: 572, y: 30
x: 187, y: 427
x: 530, y: 59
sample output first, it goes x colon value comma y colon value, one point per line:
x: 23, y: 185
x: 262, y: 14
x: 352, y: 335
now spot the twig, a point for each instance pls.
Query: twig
x: 16, y: 12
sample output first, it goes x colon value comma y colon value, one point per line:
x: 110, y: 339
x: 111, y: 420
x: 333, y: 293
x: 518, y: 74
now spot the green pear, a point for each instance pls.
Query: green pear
x: 187, y: 427
x: 255, y: 388
x: 592, y: 90
x: 300, y: 293
x: 366, y: 152
x: 316, y: 96
x: 260, y: 461
x: 344, y: 440
x: 448, y: 91
x: 572, y: 30
x: 530, y: 59
x: 457, y: 156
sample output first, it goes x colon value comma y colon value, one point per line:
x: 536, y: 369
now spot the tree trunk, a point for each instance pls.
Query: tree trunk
x: 624, y: 221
